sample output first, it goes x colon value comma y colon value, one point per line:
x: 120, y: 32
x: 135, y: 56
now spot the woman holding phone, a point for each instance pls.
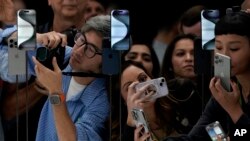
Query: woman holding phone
x: 231, y: 109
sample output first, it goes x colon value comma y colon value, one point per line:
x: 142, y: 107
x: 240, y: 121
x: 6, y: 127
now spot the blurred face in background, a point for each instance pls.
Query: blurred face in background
x: 68, y: 8
x: 238, y: 48
x: 194, y: 29
x: 141, y: 53
x: 183, y: 59
x: 129, y: 75
x: 93, y: 8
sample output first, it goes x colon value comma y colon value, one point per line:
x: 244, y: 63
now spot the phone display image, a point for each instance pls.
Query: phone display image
x: 158, y: 86
x: 26, y: 29
x: 140, y: 119
x: 208, y: 20
x: 120, y: 30
x: 214, y: 130
x: 222, y: 70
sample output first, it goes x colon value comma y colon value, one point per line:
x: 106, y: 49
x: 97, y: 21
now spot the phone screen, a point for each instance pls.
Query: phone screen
x: 208, y: 20
x: 120, y: 30
x: 214, y: 130
x: 26, y: 29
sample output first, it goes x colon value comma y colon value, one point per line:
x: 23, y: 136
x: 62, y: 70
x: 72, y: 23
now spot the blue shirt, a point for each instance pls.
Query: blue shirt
x: 89, y: 110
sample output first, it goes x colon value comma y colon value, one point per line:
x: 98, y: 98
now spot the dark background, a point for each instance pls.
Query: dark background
x: 146, y: 16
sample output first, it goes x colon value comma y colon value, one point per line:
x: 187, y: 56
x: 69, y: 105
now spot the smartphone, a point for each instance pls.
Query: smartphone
x: 26, y: 29
x: 214, y: 130
x: 16, y: 58
x: 110, y: 59
x: 120, y: 30
x: 222, y: 70
x: 158, y: 86
x: 208, y: 19
x: 140, y: 119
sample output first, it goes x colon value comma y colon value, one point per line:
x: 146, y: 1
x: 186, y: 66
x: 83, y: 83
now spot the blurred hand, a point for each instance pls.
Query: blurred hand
x: 137, y: 99
x: 52, y: 39
x: 229, y: 101
x: 7, y: 12
x: 51, y: 80
x: 138, y: 136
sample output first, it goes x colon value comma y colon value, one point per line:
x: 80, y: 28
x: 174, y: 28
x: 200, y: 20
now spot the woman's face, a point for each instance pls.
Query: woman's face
x: 237, y: 47
x: 131, y: 74
x: 141, y: 53
x: 183, y: 59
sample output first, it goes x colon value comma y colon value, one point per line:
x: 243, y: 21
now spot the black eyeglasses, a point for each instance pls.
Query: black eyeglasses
x: 90, y: 50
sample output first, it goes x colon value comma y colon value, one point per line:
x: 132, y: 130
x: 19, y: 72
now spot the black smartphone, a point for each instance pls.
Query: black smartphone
x: 26, y: 29
x: 110, y: 59
x: 120, y: 30
x: 208, y: 19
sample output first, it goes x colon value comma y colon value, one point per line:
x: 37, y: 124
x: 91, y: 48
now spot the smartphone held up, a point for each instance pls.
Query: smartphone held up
x: 157, y: 87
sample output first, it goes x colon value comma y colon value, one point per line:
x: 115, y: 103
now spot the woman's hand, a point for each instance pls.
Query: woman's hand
x: 52, y: 39
x: 51, y: 80
x: 139, y: 135
x: 138, y: 99
x: 229, y: 101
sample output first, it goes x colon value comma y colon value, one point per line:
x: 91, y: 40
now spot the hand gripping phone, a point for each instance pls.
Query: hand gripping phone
x: 140, y: 119
x: 120, y: 30
x: 158, y: 86
x: 26, y: 29
x: 214, y: 130
x: 208, y: 19
x: 222, y: 70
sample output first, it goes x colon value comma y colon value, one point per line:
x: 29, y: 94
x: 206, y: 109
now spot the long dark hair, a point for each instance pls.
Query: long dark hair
x: 167, y: 67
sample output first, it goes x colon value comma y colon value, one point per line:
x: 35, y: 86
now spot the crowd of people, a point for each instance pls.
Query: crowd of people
x: 73, y: 100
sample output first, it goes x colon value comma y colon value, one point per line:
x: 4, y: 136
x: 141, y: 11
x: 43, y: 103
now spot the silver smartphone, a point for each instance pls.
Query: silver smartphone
x: 214, y: 130
x: 16, y: 58
x: 120, y: 29
x: 158, y: 86
x: 208, y: 19
x: 26, y: 29
x: 140, y: 119
x: 222, y: 70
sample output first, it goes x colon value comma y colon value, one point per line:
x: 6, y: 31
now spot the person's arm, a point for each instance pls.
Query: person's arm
x: 89, y: 125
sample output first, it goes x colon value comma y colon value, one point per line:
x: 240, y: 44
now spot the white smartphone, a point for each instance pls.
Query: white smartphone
x: 222, y: 70
x: 120, y: 29
x: 208, y: 19
x: 140, y: 119
x: 214, y: 130
x: 16, y: 58
x: 158, y: 86
x: 26, y: 29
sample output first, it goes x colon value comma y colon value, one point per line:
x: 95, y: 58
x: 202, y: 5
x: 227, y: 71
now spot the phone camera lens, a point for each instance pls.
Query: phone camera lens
x: 162, y: 80
x: 161, y: 84
x: 11, y: 45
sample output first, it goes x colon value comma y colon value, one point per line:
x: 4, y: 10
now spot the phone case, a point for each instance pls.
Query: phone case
x: 140, y: 119
x: 16, y: 58
x: 222, y: 69
x: 120, y: 29
x: 208, y: 19
x: 158, y: 85
x: 214, y: 129
x: 26, y: 29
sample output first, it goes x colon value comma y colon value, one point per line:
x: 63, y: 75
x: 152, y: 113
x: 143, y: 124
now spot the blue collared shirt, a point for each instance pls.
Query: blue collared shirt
x: 89, y: 110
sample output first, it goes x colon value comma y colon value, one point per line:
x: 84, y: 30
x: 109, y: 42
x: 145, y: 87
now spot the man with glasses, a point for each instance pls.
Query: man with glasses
x: 77, y: 107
